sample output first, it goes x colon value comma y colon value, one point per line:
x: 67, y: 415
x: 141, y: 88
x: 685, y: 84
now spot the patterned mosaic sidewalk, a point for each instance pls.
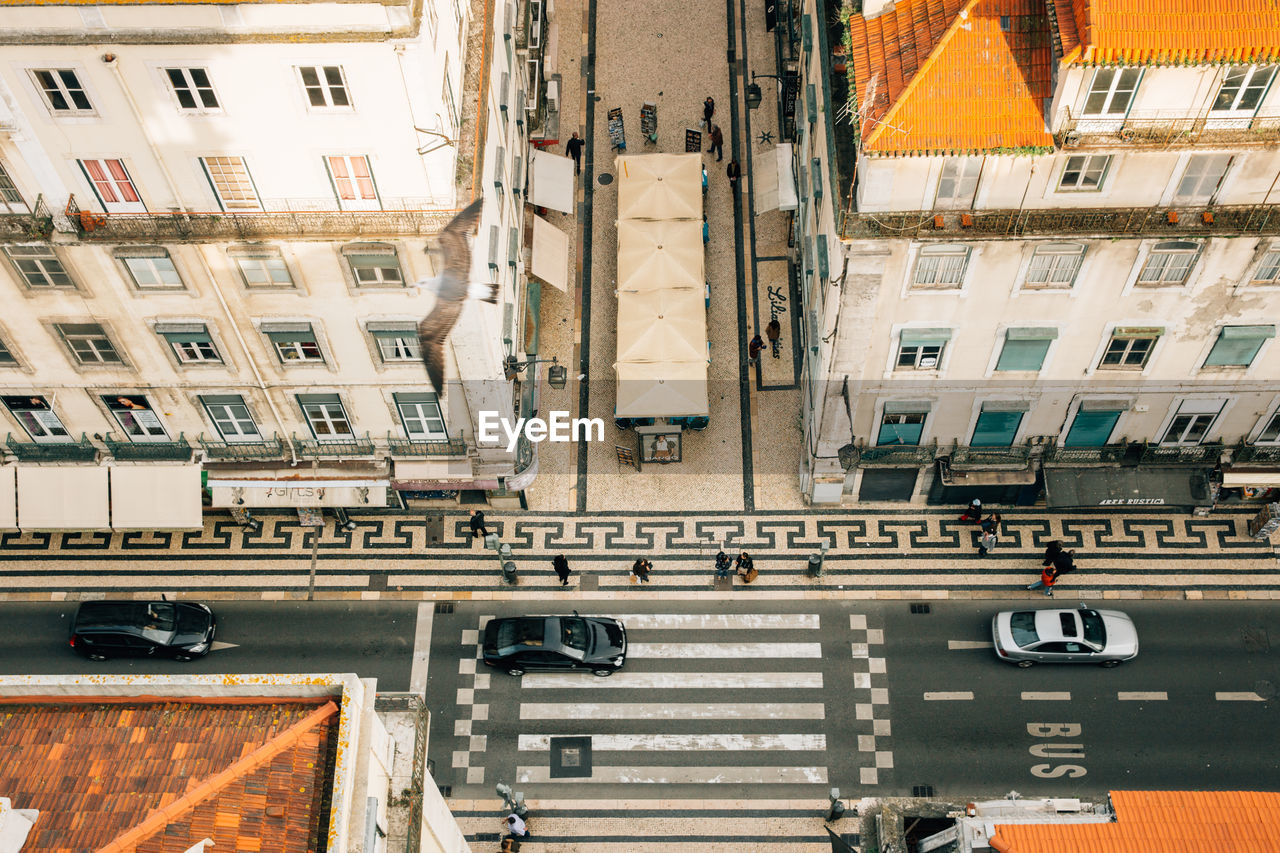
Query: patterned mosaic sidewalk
x: 892, y: 553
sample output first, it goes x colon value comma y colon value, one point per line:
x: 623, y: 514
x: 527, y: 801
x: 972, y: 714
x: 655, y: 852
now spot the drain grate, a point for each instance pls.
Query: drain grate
x: 435, y: 528
x: 571, y: 758
x: 444, y: 607
x: 924, y: 792
x: 1256, y: 640
x: 920, y: 609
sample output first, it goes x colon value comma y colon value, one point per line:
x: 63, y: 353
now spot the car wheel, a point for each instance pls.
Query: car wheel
x: 183, y: 657
x: 603, y: 673
x: 515, y: 670
x: 97, y: 657
x: 1109, y: 664
x: 1026, y: 663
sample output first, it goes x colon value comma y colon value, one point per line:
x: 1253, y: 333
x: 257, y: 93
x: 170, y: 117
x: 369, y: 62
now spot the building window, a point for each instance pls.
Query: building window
x: 62, y: 91
x: 231, y: 417
x: 1129, y: 350
x: 7, y: 358
x: 1025, y: 349
x: 326, y: 416
x: 352, y: 182
x: 1112, y: 91
x: 1192, y: 422
x: 193, y: 88
x: 1084, y: 172
x: 135, y: 417
x: 325, y: 86
x: 421, y: 416
x: 921, y: 349
x: 151, y: 269
x: 190, y: 342
x: 1202, y: 177
x: 1055, y: 265
x: 112, y: 186
x: 261, y: 266
x: 998, y: 424
x: 229, y: 177
x: 294, y: 343
x: 1093, y: 424
x: 9, y: 195
x: 396, y: 342
x: 374, y: 264
x: 940, y: 266
x: 89, y: 343
x: 37, y: 418
x: 902, y: 423
x: 1268, y: 271
x: 1238, y: 345
x: 1271, y: 432
x: 1242, y: 89
x: 38, y: 266
x: 1168, y: 264
x: 958, y: 183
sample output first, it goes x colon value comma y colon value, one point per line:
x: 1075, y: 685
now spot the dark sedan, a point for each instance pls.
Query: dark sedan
x: 521, y: 644
x: 181, y: 630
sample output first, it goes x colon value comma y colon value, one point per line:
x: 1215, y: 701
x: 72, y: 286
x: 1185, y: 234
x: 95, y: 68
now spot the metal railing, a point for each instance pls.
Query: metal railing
x: 1195, y: 454
x: 36, y: 225
x: 985, y: 457
x: 896, y: 454
x: 61, y: 451
x: 347, y: 448
x: 1267, y: 454
x: 414, y: 447
x: 238, y: 451
x: 142, y: 451
x: 1166, y: 129
x: 1106, y: 454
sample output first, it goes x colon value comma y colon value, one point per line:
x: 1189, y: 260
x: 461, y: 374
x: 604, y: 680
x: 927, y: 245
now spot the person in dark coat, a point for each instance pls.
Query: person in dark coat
x: 574, y: 149
x: 478, y: 530
x: 974, y: 512
x: 641, y: 568
x: 753, y: 349
x: 734, y: 171
x: 990, y: 534
x: 717, y: 143
x: 561, y: 565
x: 745, y: 567
x: 708, y: 110
x: 722, y: 565
x: 1053, y: 549
x: 773, y: 331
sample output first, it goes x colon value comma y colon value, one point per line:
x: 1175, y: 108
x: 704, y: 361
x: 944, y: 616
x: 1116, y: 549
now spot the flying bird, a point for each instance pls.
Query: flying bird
x: 452, y: 287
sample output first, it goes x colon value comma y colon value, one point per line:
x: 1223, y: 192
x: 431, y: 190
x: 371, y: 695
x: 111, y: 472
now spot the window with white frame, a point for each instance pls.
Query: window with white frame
x: 37, y: 418
x: 38, y: 266
x: 261, y: 266
x: 7, y: 358
x: 396, y: 341
x: 1129, y: 349
x: 921, y: 349
x: 422, y: 418
x: 1271, y: 432
x: 1237, y: 346
x: 1242, y: 88
x: 1192, y: 422
x: 958, y: 183
x: 1084, y: 172
x: 89, y: 343
x: 11, y: 200
x: 294, y: 343
x: 1168, y: 264
x: 62, y: 90
x: 231, y: 417
x: 940, y: 266
x: 134, y: 414
x: 325, y: 86
x: 1054, y: 265
x: 191, y: 342
x: 352, y: 182
x: 374, y: 264
x: 112, y: 186
x: 193, y: 89
x: 326, y: 416
x: 231, y: 182
x: 1111, y: 91
x: 902, y: 423
x: 1267, y: 273
x: 1202, y: 177
x: 150, y: 268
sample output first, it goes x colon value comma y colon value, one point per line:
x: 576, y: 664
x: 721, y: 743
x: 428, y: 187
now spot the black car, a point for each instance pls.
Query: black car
x: 519, y: 644
x: 181, y: 630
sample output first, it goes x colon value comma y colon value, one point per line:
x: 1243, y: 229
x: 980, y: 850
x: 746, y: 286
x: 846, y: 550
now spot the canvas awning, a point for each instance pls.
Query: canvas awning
x: 63, y: 497
x: 662, y: 326
x: 660, y: 186
x: 8, y: 497
x: 1154, y: 486
x: 774, y: 180
x: 156, y: 497
x: 1258, y: 478
x: 550, y: 256
x: 659, y: 254
x: 667, y: 390
x: 251, y: 493
x: 551, y: 181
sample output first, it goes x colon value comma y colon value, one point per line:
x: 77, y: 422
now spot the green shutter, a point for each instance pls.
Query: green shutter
x: 811, y: 98
x: 816, y: 171
x: 824, y: 261
x: 1025, y: 349
x: 921, y: 337
x: 995, y: 428
x: 907, y: 407
x: 1237, y: 345
x: 1091, y: 429
x: 806, y: 31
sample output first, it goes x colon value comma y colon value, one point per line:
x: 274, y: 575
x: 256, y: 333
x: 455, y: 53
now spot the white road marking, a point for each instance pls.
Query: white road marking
x: 747, y: 651
x: 671, y: 711
x: 1046, y: 697
x: 218, y: 644
x: 959, y: 645
x: 675, y: 680
x: 716, y: 621
x: 686, y: 743
x: 1140, y: 696
x: 1238, y: 697
x: 948, y: 697
x: 684, y: 775
x: 421, y: 648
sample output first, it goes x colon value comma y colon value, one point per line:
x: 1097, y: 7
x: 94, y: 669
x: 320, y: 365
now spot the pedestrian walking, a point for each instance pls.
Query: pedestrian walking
x: 734, y: 171
x: 708, y: 110
x: 773, y: 331
x: 753, y: 349
x: 722, y: 565
x: 990, y: 534
x: 1064, y: 561
x: 746, y: 568
x: 561, y: 565
x: 717, y: 143
x: 574, y: 149
x: 1048, y: 577
x: 974, y: 512
x: 478, y: 530
x: 706, y: 230
x: 516, y: 828
x: 640, y: 569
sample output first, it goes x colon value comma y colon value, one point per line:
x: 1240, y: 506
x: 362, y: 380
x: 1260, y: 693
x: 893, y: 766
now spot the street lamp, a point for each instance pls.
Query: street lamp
x: 754, y: 96
x: 557, y: 376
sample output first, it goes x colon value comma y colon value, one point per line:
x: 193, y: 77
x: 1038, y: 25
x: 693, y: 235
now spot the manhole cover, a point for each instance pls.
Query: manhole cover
x: 570, y: 757
x: 605, y: 179
x: 1265, y: 689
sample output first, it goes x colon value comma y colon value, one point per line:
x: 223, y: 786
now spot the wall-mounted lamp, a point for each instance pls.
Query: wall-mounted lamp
x: 557, y: 375
x: 754, y: 96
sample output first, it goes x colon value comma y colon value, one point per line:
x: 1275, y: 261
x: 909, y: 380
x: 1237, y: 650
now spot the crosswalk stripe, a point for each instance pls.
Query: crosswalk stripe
x: 1048, y: 696
x: 718, y: 621
x: 1238, y: 697
x: 749, y: 651
x: 671, y: 711
x: 676, y: 680
x: 681, y: 775
x: 948, y: 697
x: 959, y: 645
x: 684, y: 743
x: 1138, y: 696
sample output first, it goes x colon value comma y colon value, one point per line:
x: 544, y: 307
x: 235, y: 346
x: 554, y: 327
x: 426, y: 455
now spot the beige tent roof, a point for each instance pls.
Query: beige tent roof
x: 660, y: 186
x: 668, y: 390
x: 662, y: 325
x: 657, y: 254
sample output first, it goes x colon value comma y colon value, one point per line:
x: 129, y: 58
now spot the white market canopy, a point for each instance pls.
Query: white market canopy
x: 667, y: 390
x: 550, y: 256
x: 551, y: 181
x: 658, y: 254
x: 660, y: 186
x: 662, y: 326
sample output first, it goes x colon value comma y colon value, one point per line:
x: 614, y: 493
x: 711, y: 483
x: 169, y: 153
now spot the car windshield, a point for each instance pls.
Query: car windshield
x: 520, y: 632
x: 575, y: 633
x: 1022, y: 625
x: 1094, y: 631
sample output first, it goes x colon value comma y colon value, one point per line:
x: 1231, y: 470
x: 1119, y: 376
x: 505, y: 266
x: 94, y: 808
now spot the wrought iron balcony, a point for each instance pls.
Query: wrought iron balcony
x: 60, y: 451
x: 347, y: 448
x: 149, y: 451
x: 1256, y: 454
x: 279, y: 218
x: 36, y: 225
x: 241, y: 451
x: 896, y: 454
x: 968, y: 458
x: 1195, y: 454
x: 1166, y: 129
x: 1106, y: 454
x: 411, y: 447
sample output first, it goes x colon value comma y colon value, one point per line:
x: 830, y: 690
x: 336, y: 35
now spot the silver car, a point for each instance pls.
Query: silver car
x: 1082, y: 635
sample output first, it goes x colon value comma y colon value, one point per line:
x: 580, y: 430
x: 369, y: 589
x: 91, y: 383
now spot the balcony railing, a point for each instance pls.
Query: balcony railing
x: 60, y: 451
x: 963, y: 457
x: 1163, y: 129
x: 149, y: 451
x: 241, y: 451
x: 896, y: 454
x: 280, y: 218
x: 1257, y: 454
x: 410, y: 447
x: 1195, y: 454
x: 1107, y: 454
x: 348, y: 448
x: 36, y: 225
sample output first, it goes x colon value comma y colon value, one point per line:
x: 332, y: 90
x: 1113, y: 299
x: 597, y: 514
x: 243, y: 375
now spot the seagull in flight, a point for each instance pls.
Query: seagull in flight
x: 452, y: 287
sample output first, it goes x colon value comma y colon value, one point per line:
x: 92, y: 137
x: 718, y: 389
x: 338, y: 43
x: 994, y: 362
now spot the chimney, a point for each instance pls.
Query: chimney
x: 872, y: 8
x: 14, y: 826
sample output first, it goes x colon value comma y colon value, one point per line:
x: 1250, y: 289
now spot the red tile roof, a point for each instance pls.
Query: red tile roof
x: 1164, y: 31
x: 159, y: 776
x: 1158, y: 821
x: 952, y: 76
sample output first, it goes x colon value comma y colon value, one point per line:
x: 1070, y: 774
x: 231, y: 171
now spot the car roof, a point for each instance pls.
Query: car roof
x: 112, y: 614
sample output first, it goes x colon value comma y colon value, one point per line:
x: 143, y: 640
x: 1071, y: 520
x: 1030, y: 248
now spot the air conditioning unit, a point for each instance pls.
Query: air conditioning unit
x: 553, y: 96
x: 534, y: 68
x: 535, y: 24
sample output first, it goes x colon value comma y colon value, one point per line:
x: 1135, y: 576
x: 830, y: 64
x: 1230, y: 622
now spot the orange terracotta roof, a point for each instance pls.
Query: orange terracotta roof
x: 159, y: 776
x: 952, y: 76
x: 1159, y: 821
x: 1163, y: 31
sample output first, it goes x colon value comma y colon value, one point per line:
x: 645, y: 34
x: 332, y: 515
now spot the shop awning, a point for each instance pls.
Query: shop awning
x: 1167, y: 486
x: 156, y: 497
x: 421, y: 475
x: 774, y: 180
x: 551, y: 181
x: 251, y: 494
x: 550, y: 256
x: 8, y: 497
x: 63, y: 497
x: 1260, y: 478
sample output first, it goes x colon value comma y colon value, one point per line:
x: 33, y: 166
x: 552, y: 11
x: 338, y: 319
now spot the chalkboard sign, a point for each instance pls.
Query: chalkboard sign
x: 692, y: 141
x: 626, y: 456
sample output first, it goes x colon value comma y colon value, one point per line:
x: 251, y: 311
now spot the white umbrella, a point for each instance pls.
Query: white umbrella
x: 662, y: 326
x: 660, y: 254
x: 668, y: 390
x: 660, y: 186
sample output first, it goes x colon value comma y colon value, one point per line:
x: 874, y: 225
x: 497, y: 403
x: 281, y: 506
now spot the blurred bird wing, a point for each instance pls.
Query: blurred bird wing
x: 433, y: 331
x: 453, y: 240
